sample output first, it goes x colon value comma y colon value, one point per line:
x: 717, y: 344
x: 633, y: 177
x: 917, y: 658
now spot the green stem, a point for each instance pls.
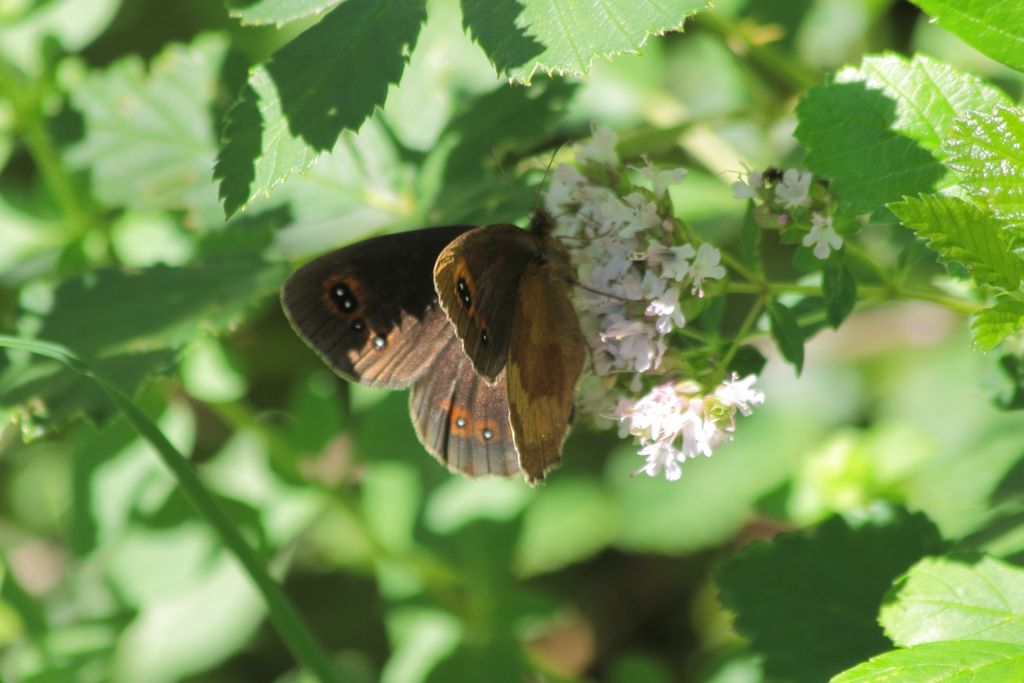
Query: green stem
x: 780, y: 67
x: 884, y: 293
x: 25, y: 100
x: 748, y: 323
x: 286, y: 620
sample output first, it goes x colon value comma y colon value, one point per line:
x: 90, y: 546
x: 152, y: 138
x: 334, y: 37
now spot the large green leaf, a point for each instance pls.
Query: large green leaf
x: 808, y: 601
x: 113, y: 311
x: 149, y: 142
x: 329, y: 79
x: 565, y: 36
x: 995, y: 27
x: 965, y: 597
x: 959, y: 661
x: 964, y: 232
x: 875, y: 131
x: 256, y: 12
x: 987, y: 150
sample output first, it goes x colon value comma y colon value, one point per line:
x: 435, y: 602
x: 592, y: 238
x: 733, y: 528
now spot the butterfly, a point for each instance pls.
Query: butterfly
x: 476, y: 320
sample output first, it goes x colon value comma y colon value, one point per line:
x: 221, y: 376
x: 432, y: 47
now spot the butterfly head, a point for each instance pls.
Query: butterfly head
x: 541, y: 223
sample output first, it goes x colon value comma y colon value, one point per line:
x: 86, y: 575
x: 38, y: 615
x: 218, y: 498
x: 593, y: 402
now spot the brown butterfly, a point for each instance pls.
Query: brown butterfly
x: 477, y: 320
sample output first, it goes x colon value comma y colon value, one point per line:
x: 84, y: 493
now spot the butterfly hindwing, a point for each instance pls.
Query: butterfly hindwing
x: 461, y: 419
x: 476, y: 278
x: 367, y: 309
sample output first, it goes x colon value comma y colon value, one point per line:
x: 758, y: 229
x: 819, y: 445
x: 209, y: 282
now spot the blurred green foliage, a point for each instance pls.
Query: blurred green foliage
x: 113, y: 241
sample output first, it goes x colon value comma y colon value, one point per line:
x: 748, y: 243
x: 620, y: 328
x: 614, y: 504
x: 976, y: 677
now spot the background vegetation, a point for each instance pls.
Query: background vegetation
x: 164, y: 166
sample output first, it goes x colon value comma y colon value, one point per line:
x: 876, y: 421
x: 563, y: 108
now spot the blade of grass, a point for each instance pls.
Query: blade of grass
x: 282, y: 614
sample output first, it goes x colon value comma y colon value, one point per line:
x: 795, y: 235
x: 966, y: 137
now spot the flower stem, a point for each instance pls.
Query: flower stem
x: 748, y: 324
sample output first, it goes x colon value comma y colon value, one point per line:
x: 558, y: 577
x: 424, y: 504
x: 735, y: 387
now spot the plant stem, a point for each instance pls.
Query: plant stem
x: 748, y: 323
x: 782, y: 68
x: 25, y: 99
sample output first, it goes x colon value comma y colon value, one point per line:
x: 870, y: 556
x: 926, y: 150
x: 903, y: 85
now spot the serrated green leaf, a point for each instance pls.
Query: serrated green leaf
x: 562, y: 36
x: 959, y: 597
x: 987, y: 150
x: 148, y: 140
x: 958, y: 661
x: 876, y: 130
x: 329, y: 79
x: 994, y: 324
x: 994, y: 27
x: 964, y: 232
x: 258, y: 12
x: 788, y: 592
x: 785, y: 331
x: 840, y: 290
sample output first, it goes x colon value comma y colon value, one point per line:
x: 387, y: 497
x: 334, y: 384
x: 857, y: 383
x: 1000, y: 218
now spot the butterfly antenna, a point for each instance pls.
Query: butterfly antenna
x: 605, y: 294
x: 547, y: 171
x: 508, y: 181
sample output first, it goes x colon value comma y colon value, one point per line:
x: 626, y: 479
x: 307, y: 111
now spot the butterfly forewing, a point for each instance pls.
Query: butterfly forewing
x: 461, y: 419
x: 367, y: 309
x: 546, y: 356
x: 477, y: 277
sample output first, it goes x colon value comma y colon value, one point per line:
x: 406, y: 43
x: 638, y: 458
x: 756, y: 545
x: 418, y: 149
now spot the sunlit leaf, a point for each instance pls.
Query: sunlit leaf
x: 957, y: 597
x: 875, y: 131
x: 995, y: 27
x: 997, y: 322
x: 944, y: 662
x: 256, y: 12
x: 987, y: 150
x: 966, y: 233
x: 522, y: 37
x: 328, y: 79
x: 149, y: 141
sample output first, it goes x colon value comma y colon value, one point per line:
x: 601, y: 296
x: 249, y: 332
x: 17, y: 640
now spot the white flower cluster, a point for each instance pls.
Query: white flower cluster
x: 788, y: 196
x: 635, y: 270
x: 675, y: 421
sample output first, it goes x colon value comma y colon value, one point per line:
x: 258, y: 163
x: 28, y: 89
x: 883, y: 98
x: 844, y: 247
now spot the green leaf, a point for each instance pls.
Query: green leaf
x: 258, y: 12
x: 994, y: 324
x: 574, y: 519
x: 148, y: 140
x: 786, y: 332
x: 959, y: 597
x: 840, y: 290
x: 964, y: 232
x: 876, y: 130
x: 329, y: 79
x: 790, y: 592
x: 994, y: 27
x: 110, y: 311
x: 48, y: 396
x: 72, y: 23
x: 524, y: 36
x: 959, y: 661
x: 987, y: 150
